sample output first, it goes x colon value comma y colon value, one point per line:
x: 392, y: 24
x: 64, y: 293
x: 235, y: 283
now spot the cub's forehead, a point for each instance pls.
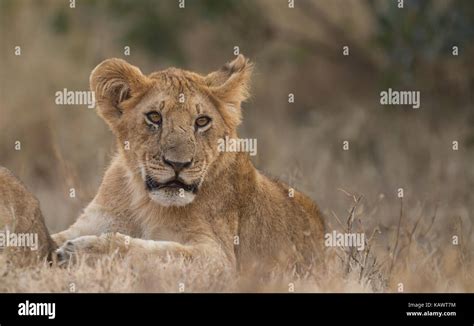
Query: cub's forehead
x: 165, y: 98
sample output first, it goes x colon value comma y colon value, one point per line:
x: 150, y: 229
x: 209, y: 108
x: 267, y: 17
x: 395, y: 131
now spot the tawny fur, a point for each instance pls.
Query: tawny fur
x: 238, y: 216
x: 20, y: 213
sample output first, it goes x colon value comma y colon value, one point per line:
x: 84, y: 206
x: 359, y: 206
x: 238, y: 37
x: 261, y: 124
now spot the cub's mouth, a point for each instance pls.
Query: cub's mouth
x: 176, y: 183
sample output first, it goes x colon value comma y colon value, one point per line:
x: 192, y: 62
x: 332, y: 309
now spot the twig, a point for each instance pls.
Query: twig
x: 432, y: 219
x: 350, y: 220
x: 338, y: 220
x: 394, y: 251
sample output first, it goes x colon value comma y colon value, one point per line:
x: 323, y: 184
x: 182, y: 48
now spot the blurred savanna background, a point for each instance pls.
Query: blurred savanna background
x: 421, y: 243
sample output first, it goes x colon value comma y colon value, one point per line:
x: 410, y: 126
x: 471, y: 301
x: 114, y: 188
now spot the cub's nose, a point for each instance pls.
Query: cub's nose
x: 177, y: 166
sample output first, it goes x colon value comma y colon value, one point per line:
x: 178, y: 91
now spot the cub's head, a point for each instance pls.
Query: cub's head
x: 168, y: 123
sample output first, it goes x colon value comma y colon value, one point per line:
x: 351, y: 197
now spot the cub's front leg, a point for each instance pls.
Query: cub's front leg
x: 119, y: 243
x: 95, y: 221
x: 87, y: 244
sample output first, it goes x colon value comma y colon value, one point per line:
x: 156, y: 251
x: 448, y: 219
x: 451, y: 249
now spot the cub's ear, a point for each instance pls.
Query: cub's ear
x: 114, y: 81
x: 231, y: 83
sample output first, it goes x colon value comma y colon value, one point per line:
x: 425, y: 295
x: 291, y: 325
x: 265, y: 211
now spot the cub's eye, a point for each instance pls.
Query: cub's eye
x: 202, y: 121
x: 154, y: 117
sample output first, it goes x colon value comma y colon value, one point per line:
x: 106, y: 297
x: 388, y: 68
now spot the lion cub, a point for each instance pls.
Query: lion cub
x: 170, y: 191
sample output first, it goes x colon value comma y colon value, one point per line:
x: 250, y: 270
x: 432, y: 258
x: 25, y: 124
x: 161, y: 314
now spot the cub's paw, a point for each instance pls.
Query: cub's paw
x: 89, y: 244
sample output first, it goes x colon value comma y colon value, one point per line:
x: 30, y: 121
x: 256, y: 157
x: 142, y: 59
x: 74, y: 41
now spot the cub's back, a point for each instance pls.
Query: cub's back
x: 20, y: 212
x: 280, y: 224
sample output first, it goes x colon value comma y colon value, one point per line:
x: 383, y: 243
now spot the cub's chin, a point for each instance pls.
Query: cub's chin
x: 174, y: 192
x: 168, y: 197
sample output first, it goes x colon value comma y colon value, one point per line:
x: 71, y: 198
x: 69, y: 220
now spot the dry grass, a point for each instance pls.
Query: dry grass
x: 410, y: 259
x: 409, y: 242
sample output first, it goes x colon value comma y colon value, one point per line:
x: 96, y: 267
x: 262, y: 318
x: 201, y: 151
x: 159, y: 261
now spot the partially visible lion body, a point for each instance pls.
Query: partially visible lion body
x: 225, y: 209
x: 20, y: 213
